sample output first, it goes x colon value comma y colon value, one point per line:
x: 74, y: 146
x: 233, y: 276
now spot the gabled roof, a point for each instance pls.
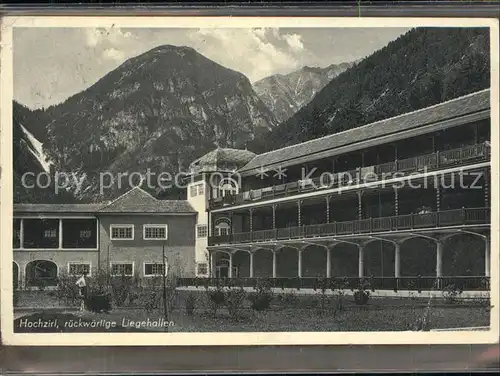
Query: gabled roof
x: 134, y: 201
x: 221, y: 159
x: 139, y: 201
x: 57, y: 208
x: 468, y: 104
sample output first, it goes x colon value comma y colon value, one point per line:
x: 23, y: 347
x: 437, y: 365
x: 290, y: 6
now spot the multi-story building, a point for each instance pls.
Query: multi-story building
x: 396, y: 198
x: 388, y: 199
x: 128, y: 236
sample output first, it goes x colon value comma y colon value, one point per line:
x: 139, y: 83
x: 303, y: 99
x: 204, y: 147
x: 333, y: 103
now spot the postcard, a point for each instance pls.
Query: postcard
x: 249, y: 181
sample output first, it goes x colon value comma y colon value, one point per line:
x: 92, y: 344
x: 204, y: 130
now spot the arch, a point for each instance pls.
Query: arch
x: 222, y: 226
x: 41, y: 273
x: 228, y: 186
x: 15, y: 275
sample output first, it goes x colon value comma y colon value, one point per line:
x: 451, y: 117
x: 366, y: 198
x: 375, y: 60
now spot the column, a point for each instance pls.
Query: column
x: 487, y: 257
x: 439, y: 259
x: 60, y: 233
x: 231, y: 229
x: 360, y: 207
x: 274, y: 215
x: 251, y: 264
x: 21, y: 236
x: 362, y: 159
x: 299, y: 213
x: 212, y: 264
x: 361, y: 261
x: 328, y: 263
x: 299, y: 254
x: 327, y: 209
x: 230, y: 271
x: 274, y: 264
x: 397, y: 260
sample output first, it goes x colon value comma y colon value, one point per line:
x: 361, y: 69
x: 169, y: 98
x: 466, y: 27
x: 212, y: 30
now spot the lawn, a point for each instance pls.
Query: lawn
x: 287, y: 313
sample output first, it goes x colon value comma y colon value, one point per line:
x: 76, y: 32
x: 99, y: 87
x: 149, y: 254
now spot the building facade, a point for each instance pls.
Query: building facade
x: 128, y: 236
x: 395, y: 198
x: 402, y: 197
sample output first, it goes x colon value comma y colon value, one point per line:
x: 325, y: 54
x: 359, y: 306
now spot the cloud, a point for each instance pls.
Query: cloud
x: 256, y: 52
x: 97, y: 36
x: 113, y: 54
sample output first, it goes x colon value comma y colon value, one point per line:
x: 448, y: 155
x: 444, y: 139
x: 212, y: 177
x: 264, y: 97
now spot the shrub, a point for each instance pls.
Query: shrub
x: 67, y: 291
x: 234, y: 299
x: 450, y: 293
x: 361, y: 297
x: 261, y: 299
x: 98, y: 303
x: 190, y: 304
x: 15, y: 298
x: 216, y: 298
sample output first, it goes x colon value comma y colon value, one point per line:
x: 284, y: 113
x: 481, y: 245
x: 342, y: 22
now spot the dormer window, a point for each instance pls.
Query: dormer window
x: 228, y: 187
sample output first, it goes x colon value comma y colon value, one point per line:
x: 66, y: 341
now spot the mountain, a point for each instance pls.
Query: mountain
x: 286, y: 94
x: 29, y: 157
x: 423, y: 67
x: 156, y: 112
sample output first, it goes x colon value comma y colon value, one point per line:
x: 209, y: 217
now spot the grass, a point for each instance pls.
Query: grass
x: 294, y: 313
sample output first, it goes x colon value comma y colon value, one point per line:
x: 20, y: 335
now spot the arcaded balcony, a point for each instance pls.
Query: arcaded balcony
x: 436, y: 161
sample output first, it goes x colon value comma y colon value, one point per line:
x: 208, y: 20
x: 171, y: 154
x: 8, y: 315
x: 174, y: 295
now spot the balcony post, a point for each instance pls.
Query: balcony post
x: 486, y: 189
x: 251, y: 264
x: 360, y: 205
x: 231, y: 229
x: 396, y: 201
x: 212, y: 264
x: 439, y: 259
x: 487, y: 256
x: 299, y: 213
x: 360, y: 261
x: 230, y: 271
x: 274, y: 216
x: 438, y: 197
x: 299, y: 263
x: 328, y: 208
x: 274, y: 263
x: 21, y: 234
x: 250, y: 218
x: 328, y: 263
x: 397, y: 260
x: 60, y: 233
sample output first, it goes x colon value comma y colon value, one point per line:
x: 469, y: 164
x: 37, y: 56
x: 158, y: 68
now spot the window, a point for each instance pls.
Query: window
x: 193, y: 191
x: 16, y: 241
x: 153, y: 269
x: 77, y: 269
x: 202, y: 268
x: 122, y: 232
x: 158, y: 232
x: 202, y: 231
x: 41, y: 233
x: 228, y: 187
x: 122, y: 269
x: 222, y: 228
x: 79, y: 233
x: 201, y: 189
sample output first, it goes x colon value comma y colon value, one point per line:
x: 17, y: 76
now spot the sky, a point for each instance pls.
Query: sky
x: 51, y: 64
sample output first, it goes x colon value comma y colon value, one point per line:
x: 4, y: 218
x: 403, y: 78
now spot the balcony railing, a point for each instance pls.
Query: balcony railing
x: 416, y: 283
x: 428, y: 162
x: 456, y: 217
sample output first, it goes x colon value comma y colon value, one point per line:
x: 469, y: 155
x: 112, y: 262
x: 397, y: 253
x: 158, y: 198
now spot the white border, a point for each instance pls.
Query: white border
x: 80, y: 263
x: 267, y: 338
x: 121, y: 263
x: 121, y: 226
x: 154, y: 226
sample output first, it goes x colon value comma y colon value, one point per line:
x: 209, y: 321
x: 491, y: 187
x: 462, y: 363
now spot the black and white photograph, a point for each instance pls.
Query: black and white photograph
x: 254, y: 178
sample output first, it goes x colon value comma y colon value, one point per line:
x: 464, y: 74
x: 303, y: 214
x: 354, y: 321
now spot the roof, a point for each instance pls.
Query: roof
x: 135, y: 200
x: 454, y: 108
x: 222, y: 159
x: 57, y: 208
x: 139, y: 201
